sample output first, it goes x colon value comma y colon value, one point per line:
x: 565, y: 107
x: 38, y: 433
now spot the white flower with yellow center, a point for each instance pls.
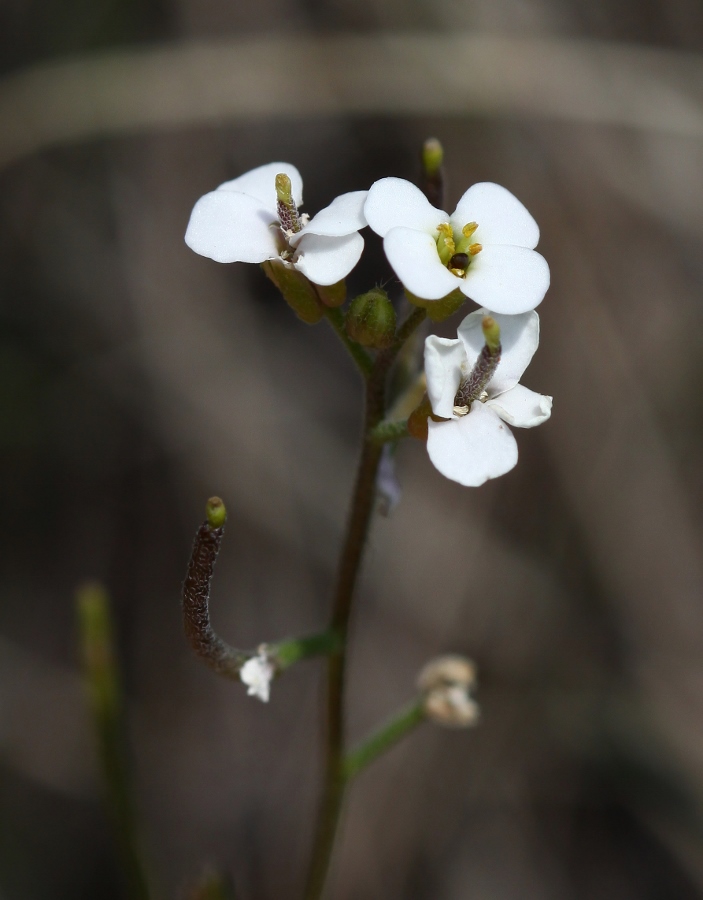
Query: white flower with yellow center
x: 255, y: 218
x: 486, y: 248
x: 473, y: 385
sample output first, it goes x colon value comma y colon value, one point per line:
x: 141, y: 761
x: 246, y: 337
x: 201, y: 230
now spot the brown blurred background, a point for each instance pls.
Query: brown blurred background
x: 138, y: 378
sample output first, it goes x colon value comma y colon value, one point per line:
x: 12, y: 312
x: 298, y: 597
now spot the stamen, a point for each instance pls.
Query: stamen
x: 445, y: 242
x: 469, y: 229
x: 475, y: 248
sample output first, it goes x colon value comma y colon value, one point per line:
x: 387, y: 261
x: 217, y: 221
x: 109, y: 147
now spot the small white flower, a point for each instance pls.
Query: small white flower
x: 486, y: 248
x: 239, y: 222
x: 472, y: 447
x: 257, y: 674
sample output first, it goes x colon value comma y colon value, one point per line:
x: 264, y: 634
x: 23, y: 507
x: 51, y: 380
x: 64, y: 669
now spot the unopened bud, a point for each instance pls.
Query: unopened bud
x: 297, y: 291
x: 333, y: 294
x: 444, y: 684
x: 371, y: 319
x: 215, y: 512
x: 491, y: 334
x: 432, y: 157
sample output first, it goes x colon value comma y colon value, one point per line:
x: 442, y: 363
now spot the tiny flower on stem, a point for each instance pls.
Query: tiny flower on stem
x: 472, y: 384
x: 485, y: 248
x: 445, y: 684
x: 256, y: 217
x: 257, y: 674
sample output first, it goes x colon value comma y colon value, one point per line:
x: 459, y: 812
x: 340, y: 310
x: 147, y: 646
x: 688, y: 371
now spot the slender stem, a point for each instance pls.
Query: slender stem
x: 102, y: 677
x: 363, y: 361
x: 388, y: 431
x: 350, y: 561
x: 414, y: 319
x: 402, y: 723
x: 285, y: 653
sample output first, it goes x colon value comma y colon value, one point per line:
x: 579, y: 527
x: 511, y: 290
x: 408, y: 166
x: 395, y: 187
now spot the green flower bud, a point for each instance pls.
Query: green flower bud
x: 297, y: 291
x: 333, y: 294
x: 215, y: 512
x: 432, y: 177
x: 439, y: 310
x: 432, y: 156
x: 371, y: 319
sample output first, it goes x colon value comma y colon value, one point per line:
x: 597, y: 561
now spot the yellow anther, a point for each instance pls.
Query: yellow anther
x: 469, y: 229
x: 474, y: 249
x: 460, y: 273
x: 446, y: 235
x: 445, y: 242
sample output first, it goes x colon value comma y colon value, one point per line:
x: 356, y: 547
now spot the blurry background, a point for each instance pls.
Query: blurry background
x: 137, y: 379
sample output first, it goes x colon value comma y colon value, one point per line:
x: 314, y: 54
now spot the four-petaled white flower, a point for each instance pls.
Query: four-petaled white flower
x: 257, y: 674
x: 239, y: 222
x: 486, y: 248
x: 471, y: 447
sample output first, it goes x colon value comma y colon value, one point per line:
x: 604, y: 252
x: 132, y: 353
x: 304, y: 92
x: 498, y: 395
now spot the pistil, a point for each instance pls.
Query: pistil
x: 473, y: 386
x: 285, y: 205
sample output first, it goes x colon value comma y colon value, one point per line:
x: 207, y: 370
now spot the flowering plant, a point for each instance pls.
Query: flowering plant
x: 461, y: 405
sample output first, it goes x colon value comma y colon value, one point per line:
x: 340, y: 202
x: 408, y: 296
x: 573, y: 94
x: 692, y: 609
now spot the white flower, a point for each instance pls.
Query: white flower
x: 257, y: 674
x: 239, y: 222
x: 486, y: 248
x: 473, y: 446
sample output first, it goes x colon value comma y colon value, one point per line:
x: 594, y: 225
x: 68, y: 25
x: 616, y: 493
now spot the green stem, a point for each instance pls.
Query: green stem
x: 387, y: 431
x: 413, y: 321
x: 363, y: 361
x: 350, y: 561
x: 402, y: 723
x: 285, y: 653
x: 101, y: 673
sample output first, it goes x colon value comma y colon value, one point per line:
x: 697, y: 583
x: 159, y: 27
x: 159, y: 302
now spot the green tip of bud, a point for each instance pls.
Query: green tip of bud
x: 491, y: 333
x: 432, y: 156
x: 284, y: 192
x: 215, y: 512
x: 371, y: 319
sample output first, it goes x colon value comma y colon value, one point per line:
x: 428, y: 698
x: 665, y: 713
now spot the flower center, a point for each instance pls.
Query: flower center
x: 457, y: 252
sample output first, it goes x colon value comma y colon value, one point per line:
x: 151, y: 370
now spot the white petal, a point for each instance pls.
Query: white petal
x: 256, y: 674
x: 261, y: 183
x: 344, y: 215
x: 519, y: 338
x: 501, y: 218
x: 473, y: 448
x: 522, y: 407
x: 443, y: 359
x: 394, y: 202
x: 507, y: 280
x: 230, y: 227
x: 326, y: 260
x: 413, y: 255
